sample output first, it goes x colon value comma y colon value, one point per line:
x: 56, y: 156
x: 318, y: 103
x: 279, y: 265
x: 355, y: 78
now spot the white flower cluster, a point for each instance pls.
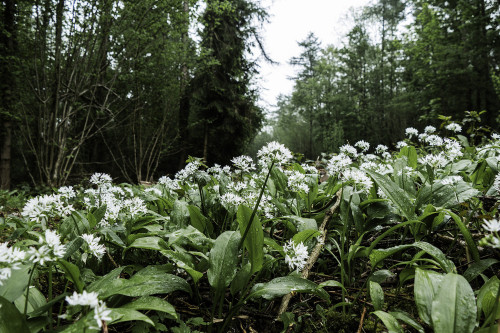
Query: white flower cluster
x: 243, y: 163
x: 219, y: 172
x: 297, y: 181
x: 101, y: 311
x: 100, y: 179
x: 274, y: 152
x: 50, y: 248
x: 117, y: 200
x: 46, y: 206
x: 361, y: 182
x: 296, y: 255
x: 10, y: 259
x: 451, y: 180
x: 401, y: 144
x: 434, y: 160
x: 493, y: 239
x: 338, y: 164
x: 309, y: 169
x: 411, y: 132
x: 363, y: 145
x: 380, y: 149
x: 453, y: 149
x: 454, y: 127
x: 348, y: 150
x: 93, y: 246
x: 169, y: 184
x: 188, y: 171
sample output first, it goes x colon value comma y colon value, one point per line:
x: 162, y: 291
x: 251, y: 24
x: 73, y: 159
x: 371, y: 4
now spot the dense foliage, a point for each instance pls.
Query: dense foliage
x: 401, y: 61
x: 400, y: 241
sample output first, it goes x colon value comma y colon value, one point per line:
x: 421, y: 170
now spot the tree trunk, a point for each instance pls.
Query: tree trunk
x: 184, y: 98
x: 7, y: 89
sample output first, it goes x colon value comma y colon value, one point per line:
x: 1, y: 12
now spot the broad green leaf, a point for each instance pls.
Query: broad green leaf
x: 454, y: 306
x: 376, y: 256
x: 16, y: 285
x: 223, y: 260
x: 148, y: 281
x: 11, y: 320
x: 381, y: 275
x: 447, y: 265
x: 445, y: 196
x: 305, y: 235
x: 389, y: 321
x: 411, y: 154
x: 149, y: 243
x: 487, y: 296
x: 151, y: 303
x: 466, y: 233
x: 376, y: 295
x: 284, y: 285
x: 35, y: 300
x: 180, y: 214
x: 73, y: 246
x: 254, y: 241
x: 399, y: 197
x: 119, y: 315
x: 241, y: 279
x: 404, y: 317
x: 72, y: 273
x: 425, y: 288
x: 331, y: 283
x: 478, y: 267
x: 102, y: 283
x: 185, y: 261
x: 199, y: 221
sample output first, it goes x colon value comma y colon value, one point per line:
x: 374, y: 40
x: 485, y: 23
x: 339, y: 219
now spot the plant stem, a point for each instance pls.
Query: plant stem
x: 28, y: 290
x: 256, y: 207
x: 50, y: 295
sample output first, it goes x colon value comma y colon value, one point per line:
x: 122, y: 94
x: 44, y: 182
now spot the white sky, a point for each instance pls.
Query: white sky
x: 290, y: 22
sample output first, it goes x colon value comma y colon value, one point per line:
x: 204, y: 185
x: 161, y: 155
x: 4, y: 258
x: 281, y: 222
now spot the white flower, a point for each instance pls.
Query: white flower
x: 95, y: 248
x: 67, y: 191
x: 495, y: 136
x: 451, y: 180
x: 380, y: 149
x: 100, y: 179
x: 154, y: 191
x: 361, y: 181
x: 491, y: 225
x: 10, y: 259
x: 349, y: 150
x: 50, y: 249
x: 274, y: 152
x: 244, y: 163
x: 411, y: 132
x: 188, y: 171
x: 453, y: 149
x: 83, y: 299
x: 297, y: 182
x: 309, y: 169
x: 363, y: 145
x: 438, y: 160
x: 337, y: 164
x: 434, y: 140
x: 170, y: 184
x: 101, y: 313
x: 454, y: 127
x: 230, y: 201
x: 296, y: 255
x: 429, y: 129
x: 401, y: 144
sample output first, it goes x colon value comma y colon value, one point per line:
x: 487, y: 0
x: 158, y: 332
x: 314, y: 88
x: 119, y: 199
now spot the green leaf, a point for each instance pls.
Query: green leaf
x: 223, y: 260
x: 36, y: 300
x: 411, y: 154
x: 199, y: 221
x: 72, y: 273
x: 376, y: 295
x: 120, y: 315
x: 404, y: 317
x: 11, y: 320
x: 180, y: 214
x: 152, y: 303
x: 254, y: 241
x: 389, y: 321
x: 399, y: 197
x: 241, y: 279
x: 331, y: 283
x: 487, y: 296
x: 149, y: 243
x: 454, y: 306
x: 102, y: 283
x: 478, y: 267
x: 466, y: 233
x: 16, y: 284
x: 73, y: 246
x: 445, y: 196
x: 284, y: 285
x: 305, y: 235
x: 425, y: 288
x: 447, y: 265
x: 148, y: 281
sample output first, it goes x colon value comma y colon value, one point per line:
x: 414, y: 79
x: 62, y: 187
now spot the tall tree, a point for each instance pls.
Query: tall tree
x: 225, y: 115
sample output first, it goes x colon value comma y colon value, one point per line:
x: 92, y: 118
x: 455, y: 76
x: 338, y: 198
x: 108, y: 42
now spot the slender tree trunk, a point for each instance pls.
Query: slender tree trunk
x: 7, y: 88
x: 184, y: 97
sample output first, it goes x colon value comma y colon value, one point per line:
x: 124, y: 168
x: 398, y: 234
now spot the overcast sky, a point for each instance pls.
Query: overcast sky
x: 290, y: 22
